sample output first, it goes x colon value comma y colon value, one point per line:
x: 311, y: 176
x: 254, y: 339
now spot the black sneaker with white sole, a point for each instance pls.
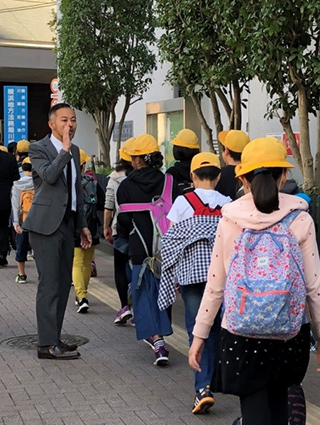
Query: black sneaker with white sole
x: 21, y: 278
x: 83, y: 305
x: 203, y: 401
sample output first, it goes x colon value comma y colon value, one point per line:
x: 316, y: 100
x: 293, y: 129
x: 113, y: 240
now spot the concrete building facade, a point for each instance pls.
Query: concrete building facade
x: 27, y: 58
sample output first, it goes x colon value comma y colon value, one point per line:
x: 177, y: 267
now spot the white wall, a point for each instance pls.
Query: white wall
x: 159, y: 90
x: 86, y: 137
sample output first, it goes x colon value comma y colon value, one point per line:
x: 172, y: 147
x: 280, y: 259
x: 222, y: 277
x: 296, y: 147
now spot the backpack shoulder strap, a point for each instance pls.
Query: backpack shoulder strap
x: 194, y: 200
x: 146, y: 206
x: 167, y: 188
x: 84, y: 181
x: 289, y: 218
x: 22, y: 193
x: 135, y: 207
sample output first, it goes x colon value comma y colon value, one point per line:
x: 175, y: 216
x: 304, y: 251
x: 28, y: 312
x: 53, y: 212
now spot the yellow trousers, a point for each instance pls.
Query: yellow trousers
x: 81, y: 270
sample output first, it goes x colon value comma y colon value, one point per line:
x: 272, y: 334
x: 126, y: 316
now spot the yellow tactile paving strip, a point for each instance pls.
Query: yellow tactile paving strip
x: 179, y: 339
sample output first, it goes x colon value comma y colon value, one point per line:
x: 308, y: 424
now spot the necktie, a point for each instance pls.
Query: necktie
x: 69, y: 185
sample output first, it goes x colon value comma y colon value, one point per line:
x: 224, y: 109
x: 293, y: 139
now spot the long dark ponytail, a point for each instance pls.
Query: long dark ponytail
x: 264, y: 188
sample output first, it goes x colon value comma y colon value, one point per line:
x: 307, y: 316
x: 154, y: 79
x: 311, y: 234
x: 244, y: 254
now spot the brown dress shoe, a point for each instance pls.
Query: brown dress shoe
x: 67, y: 347
x: 54, y: 352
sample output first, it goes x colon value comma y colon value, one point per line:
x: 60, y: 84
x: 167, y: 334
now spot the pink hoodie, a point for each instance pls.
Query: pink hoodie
x: 243, y: 214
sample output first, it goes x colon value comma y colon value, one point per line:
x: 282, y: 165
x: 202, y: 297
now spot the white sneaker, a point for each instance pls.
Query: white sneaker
x: 30, y: 256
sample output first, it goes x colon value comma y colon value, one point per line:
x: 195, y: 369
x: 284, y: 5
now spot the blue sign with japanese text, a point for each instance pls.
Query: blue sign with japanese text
x: 15, y: 113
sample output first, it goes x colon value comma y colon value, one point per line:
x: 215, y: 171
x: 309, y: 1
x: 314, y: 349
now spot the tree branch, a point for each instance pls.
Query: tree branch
x: 225, y: 102
x: 121, y: 122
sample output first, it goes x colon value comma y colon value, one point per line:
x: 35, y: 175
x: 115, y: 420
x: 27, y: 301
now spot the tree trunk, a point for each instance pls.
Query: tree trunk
x: 121, y: 122
x: 286, y: 125
x: 303, y: 116
x: 105, y: 121
x: 306, y: 156
x: 216, y: 112
x: 317, y: 159
x: 237, y: 117
x: 225, y: 103
x: 197, y: 105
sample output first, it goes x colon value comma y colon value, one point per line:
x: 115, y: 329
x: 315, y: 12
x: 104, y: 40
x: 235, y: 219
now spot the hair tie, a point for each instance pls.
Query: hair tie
x: 147, y: 159
x: 262, y: 170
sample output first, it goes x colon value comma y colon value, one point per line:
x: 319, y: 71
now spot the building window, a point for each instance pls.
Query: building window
x: 164, y: 127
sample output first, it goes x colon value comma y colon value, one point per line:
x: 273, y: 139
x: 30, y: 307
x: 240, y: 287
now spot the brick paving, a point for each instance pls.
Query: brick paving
x: 113, y: 383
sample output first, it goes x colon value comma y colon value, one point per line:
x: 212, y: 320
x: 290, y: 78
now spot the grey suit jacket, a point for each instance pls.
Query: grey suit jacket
x: 50, y: 188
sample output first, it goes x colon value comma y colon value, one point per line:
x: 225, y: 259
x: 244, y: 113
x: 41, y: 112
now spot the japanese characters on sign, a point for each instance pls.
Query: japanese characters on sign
x: 15, y: 113
x: 127, y: 131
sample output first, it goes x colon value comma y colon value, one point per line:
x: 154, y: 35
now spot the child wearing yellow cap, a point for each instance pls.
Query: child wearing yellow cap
x: 21, y: 201
x: 22, y: 151
x: 144, y: 186
x: 204, y: 172
x: 260, y: 369
x: 120, y: 257
x: 233, y: 142
x: 92, y: 203
x: 186, y: 252
x: 185, y: 147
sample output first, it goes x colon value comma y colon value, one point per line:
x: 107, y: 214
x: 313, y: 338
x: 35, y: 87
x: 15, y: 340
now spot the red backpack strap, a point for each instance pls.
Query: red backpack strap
x: 194, y: 200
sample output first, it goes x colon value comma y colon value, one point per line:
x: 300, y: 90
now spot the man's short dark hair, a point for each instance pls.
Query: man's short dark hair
x: 236, y: 156
x: 56, y: 108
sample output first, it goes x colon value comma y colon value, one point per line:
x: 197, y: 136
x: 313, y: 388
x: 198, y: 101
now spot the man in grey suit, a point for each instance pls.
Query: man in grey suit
x: 56, y: 213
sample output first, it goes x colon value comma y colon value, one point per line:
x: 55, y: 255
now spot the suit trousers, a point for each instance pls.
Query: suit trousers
x: 54, y: 256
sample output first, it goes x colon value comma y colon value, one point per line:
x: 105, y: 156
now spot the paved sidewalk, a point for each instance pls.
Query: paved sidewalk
x: 114, y: 382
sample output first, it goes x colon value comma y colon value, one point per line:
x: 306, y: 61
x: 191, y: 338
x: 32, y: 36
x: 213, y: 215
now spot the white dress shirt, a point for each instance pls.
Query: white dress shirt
x: 58, y: 145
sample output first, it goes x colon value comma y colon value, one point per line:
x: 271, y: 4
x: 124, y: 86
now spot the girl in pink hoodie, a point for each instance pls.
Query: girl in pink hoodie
x: 260, y: 370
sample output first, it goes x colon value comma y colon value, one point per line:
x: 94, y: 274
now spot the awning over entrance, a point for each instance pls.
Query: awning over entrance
x: 28, y: 65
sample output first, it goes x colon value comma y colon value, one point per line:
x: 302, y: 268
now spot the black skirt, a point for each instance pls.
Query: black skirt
x: 245, y: 365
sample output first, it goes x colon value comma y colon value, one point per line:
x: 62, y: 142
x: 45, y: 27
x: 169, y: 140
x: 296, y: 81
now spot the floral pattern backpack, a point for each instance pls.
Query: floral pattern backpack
x: 265, y: 291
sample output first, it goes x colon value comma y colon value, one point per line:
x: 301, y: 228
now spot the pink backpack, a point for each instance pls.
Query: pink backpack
x: 158, y: 209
